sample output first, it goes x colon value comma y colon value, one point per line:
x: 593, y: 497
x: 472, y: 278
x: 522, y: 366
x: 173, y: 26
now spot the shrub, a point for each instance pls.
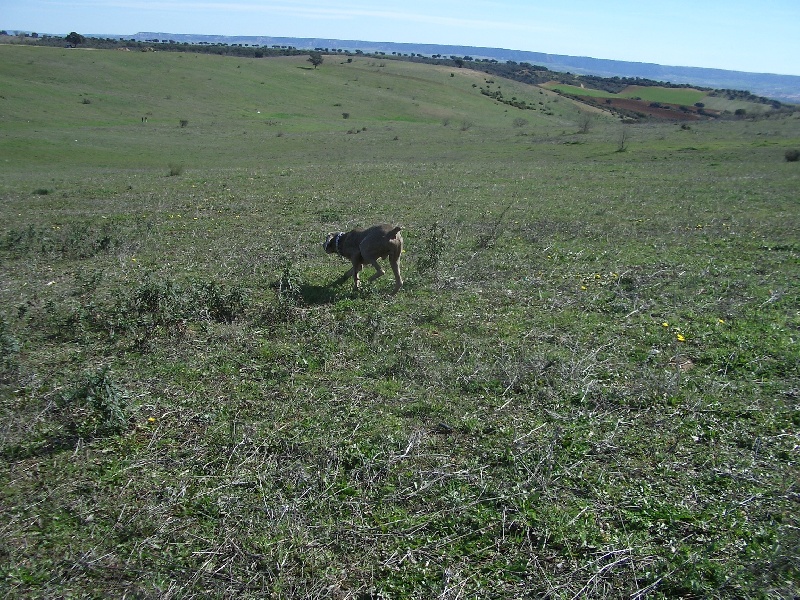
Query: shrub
x: 792, y: 155
x: 432, y: 249
x: 218, y: 303
x: 72, y: 240
x: 175, y: 170
x: 94, y: 407
x: 162, y: 302
x: 184, y: 122
x: 9, y: 348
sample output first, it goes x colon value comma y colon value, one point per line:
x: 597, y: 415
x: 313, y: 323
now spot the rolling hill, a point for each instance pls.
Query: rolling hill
x: 785, y: 88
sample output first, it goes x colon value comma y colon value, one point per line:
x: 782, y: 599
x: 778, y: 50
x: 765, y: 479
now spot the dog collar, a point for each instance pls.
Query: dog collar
x: 338, y: 235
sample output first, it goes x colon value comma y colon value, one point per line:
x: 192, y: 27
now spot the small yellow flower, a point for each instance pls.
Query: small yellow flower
x: 665, y: 324
x: 721, y: 321
x: 680, y: 337
x: 151, y: 420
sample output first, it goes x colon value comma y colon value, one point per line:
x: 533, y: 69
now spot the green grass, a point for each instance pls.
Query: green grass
x: 576, y: 90
x: 587, y: 387
x: 682, y: 96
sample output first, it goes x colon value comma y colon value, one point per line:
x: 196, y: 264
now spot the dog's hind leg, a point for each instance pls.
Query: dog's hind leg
x: 379, y: 272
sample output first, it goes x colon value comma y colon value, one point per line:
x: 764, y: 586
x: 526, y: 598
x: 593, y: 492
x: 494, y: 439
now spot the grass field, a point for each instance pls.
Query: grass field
x: 587, y: 388
x: 682, y: 96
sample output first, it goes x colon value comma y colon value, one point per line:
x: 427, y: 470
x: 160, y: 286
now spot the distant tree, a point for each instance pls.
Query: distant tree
x: 585, y: 122
x: 623, y: 139
x: 315, y: 58
x: 75, y: 38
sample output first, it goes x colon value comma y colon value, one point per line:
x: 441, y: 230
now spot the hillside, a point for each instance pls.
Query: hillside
x: 587, y: 386
x: 266, y: 104
x: 785, y: 88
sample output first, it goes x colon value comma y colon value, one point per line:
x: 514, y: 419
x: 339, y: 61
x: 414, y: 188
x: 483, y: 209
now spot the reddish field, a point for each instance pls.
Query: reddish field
x: 661, y: 110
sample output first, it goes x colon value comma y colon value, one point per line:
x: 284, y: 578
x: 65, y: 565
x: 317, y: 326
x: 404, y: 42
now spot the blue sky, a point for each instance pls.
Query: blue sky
x: 751, y: 36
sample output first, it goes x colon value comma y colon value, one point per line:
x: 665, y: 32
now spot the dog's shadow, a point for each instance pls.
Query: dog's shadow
x: 332, y: 292
x: 319, y: 294
x: 310, y: 294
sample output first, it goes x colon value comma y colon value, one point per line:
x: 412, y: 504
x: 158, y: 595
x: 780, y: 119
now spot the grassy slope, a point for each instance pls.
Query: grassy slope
x: 681, y: 96
x: 594, y: 392
x: 228, y: 103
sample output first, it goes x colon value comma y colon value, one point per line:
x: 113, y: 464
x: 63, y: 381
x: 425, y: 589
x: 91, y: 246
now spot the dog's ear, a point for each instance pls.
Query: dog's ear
x: 326, y: 245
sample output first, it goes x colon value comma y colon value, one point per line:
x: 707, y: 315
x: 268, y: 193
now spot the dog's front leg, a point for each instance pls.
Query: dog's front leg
x: 355, y: 271
x: 348, y: 274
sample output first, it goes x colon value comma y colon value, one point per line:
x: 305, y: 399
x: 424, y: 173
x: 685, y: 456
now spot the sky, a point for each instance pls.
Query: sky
x: 760, y: 37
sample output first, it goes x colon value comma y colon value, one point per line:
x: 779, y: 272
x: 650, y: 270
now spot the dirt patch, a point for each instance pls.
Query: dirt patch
x: 641, y: 109
x: 659, y: 110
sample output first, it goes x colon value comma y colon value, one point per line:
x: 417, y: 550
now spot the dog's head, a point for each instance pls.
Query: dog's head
x: 330, y: 245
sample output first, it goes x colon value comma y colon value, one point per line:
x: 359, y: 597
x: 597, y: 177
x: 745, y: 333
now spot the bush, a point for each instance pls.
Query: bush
x: 94, y: 406
x: 72, y: 240
x: 9, y: 348
x: 219, y: 303
x: 432, y: 250
x: 792, y: 155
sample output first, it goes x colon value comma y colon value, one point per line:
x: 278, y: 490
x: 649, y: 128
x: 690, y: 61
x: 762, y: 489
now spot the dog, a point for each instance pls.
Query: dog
x: 366, y: 246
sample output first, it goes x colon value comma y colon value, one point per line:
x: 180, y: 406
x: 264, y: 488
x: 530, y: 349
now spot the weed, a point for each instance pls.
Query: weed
x: 429, y: 255
x: 94, y: 406
x: 175, y: 169
x: 488, y: 238
x: 219, y: 303
x: 792, y: 155
x: 9, y: 348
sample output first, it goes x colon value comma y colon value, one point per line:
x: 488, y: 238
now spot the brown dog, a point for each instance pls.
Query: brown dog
x: 366, y: 246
